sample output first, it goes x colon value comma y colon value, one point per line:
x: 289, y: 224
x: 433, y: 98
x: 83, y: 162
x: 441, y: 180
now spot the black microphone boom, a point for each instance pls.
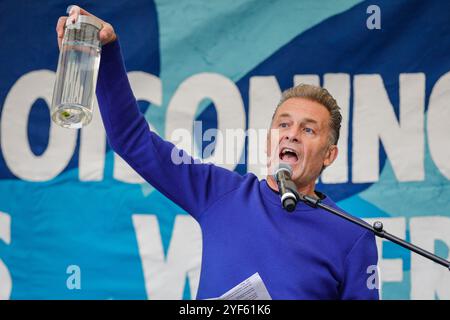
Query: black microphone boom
x: 376, y: 228
x: 290, y: 197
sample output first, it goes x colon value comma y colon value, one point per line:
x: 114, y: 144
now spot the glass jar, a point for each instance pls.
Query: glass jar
x: 76, y: 75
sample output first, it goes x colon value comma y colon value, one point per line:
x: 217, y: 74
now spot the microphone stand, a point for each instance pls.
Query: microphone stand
x: 376, y: 228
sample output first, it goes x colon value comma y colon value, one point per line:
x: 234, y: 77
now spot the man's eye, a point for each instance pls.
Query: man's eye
x: 308, y: 130
x: 283, y: 125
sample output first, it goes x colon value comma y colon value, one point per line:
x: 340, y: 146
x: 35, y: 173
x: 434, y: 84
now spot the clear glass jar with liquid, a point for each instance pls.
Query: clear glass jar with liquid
x: 76, y: 75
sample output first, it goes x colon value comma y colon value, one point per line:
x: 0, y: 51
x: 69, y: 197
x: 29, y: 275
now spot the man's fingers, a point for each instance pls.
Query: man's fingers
x: 70, y: 9
x: 84, y: 12
x: 74, y: 11
x: 106, y: 34
x: 60, y: 30
x: 60, y: 26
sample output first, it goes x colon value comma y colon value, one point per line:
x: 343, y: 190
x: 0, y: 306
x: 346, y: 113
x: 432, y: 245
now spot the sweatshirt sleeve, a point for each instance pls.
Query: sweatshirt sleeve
x: 193, y: 187
x: 361, y: 280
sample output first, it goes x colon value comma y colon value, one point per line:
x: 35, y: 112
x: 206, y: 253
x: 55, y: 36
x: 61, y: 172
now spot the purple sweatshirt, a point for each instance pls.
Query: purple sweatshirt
x: 307, y: 254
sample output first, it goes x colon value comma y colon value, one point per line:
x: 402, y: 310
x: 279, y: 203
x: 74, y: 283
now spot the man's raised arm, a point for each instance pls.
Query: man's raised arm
x: 192, y: 186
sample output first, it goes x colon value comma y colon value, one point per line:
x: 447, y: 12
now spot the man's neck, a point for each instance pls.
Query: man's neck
x: 306, y: 190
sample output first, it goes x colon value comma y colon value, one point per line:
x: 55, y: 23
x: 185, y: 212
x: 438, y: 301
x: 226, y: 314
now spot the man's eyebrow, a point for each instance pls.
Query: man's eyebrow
x: 305, y: 120
x: 284, y: 115
x: 309, y: 120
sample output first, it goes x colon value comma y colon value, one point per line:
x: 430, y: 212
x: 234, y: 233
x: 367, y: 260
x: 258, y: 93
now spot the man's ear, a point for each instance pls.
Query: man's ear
x: 331, y: 155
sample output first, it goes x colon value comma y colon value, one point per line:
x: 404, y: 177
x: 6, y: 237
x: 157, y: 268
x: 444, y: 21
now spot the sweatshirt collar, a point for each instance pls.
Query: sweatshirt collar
x: 274, y: 197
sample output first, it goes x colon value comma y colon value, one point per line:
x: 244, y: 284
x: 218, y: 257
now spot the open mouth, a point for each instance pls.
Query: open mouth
x: 288, y: 155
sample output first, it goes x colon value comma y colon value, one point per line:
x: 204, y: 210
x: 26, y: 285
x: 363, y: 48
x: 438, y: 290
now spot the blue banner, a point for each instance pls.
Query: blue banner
x: 76, y: 222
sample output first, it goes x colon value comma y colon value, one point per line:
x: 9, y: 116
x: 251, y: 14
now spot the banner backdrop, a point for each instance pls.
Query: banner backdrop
x: 77, y: 223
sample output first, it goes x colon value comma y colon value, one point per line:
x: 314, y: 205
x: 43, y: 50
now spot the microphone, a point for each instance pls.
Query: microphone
x: 286, y: 187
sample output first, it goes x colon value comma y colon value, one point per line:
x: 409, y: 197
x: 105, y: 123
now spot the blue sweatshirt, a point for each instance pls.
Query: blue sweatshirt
x: 307, y: 254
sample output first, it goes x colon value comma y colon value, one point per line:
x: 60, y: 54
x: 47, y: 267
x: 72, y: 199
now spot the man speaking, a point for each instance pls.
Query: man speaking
x: 305, y: 254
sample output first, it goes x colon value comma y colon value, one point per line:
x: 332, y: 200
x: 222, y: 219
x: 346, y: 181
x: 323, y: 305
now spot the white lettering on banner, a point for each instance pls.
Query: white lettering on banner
x: 438, y: 124
x: 264, y: 95
x: 230, y: 113
x: 5, y: 276
x: 429, y: 279
x: 165, y: 276
x: 17, y: 153
x: 92, y: 148
x: 145, y: 87
x: 312, y: 79
x: 374, y: 120
x: 390, y: 270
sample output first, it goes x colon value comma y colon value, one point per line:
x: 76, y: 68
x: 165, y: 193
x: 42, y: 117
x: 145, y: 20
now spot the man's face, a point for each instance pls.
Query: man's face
x: 302, y: 139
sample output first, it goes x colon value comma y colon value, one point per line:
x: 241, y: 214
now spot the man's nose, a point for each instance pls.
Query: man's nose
x: 293, y: 135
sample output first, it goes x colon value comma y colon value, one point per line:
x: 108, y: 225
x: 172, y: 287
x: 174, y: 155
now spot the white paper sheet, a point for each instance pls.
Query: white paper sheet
x: 252, y: 288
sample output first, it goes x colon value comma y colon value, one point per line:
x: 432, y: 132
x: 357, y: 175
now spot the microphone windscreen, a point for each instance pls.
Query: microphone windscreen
x: 283, y: 167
